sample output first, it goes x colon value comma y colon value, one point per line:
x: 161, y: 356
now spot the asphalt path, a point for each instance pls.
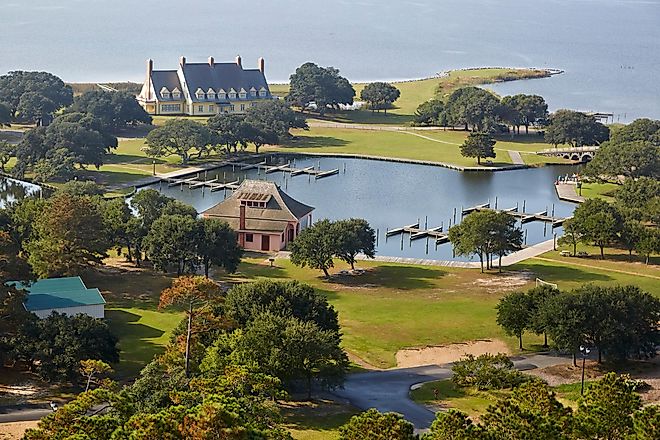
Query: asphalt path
x: 388, y: 390
x: 23, y: 413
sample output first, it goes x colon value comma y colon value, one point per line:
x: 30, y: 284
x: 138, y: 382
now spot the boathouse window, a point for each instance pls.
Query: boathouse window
x: 249, y: 238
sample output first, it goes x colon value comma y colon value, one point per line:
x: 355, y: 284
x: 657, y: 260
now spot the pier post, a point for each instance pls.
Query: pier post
x: 525, y: 237
x: 553, y: 210
x: 495, y: 202
x: 377, y: 234
x: 524, y: 202
x: 344, y: 167
x: 427, y: 245
x: 426, y: 222
x: 442, y: 225
x: 402, y: 241
x: 454, y: 215
x: 554, y: 241
x: 545, y: 228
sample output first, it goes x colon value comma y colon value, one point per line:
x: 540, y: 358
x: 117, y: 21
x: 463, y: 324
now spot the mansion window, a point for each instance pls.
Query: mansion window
x: 262, y: 93
x: 199, y: 95
x: 253, y: 92
x: 211, y: 95
x: 170, y: 108
x: 176, y: 95
x: 200, y: 108
x: 164, y: 94
x: 242, y: 95
x: 232, y: 108
x: 222, y: 95
x: 211, y: 108
x: 242, y: 107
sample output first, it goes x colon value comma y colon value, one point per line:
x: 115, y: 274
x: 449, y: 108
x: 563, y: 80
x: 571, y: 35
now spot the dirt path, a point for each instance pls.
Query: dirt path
x: 444, y: 354
x: 604, y: 269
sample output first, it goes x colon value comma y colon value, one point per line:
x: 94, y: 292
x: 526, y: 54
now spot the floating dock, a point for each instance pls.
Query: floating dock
x: 524, y: 217
x: 416, y: 233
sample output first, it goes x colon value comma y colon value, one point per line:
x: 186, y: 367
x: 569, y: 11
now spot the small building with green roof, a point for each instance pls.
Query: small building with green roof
x: 68, y: 296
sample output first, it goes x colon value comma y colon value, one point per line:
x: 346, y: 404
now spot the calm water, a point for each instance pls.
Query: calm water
x: 391, y: 195
x: 610, y: 49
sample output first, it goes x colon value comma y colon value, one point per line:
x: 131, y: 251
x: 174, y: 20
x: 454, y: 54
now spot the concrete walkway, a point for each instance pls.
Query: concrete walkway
x: 567, y: 191
x: 388, y: 390
x: 509, y: 260
x: 516, y: 158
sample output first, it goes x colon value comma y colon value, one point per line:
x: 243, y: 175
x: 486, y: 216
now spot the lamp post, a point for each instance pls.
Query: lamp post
x: 154, y: 164
x: 585, y: 351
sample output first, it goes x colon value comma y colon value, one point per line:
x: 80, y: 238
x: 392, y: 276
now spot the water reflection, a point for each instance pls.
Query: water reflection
x: 12, y: 190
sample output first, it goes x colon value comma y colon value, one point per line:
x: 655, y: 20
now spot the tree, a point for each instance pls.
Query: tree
x: 219, y: 246
x: 486, y: 372
x: 122, y: 228
x: 575, y: 129
x: 598, y: 222
x: 538, y: 297
x: 113, y: 109
x: 149, y: 205
x: 276, y: 116
x: 65, y: 238
x: 6, y: 153
x: 5, y: 114
x: 33, y: 95
x: 639, y: 130
x: 473, y: 107
x: 531, y: 412
x: 259, y: 136
x: 631, y: 159
x: 182, y: 137
x: 172, y: 242
x: 315, y: 247
x: 640, y: 198
x: 606, y: 409
x: 647, y: 423
x: 648, y: 243
x: 514, y: 314
x: 230, y: 129
x: 293, y: 350
x: 379, y: 95
x: 91, y: 369
x: 572, y: 235
x: 354, y: 236
x: 374, y: 425
x: 478, y: 145
x: 530, y: 108
x: 54, y: 346
x: 429, y: 112
x: 631, y: 232
x: 452, y: 425
x: 245, y: 302
x: 193, y: 293
x: 322, y: 86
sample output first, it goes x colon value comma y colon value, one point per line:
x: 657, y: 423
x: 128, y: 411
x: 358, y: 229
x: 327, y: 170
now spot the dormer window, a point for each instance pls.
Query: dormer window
x: 242, y: 94
x: 253, y: 92
x: 232, y: 93
x: 165, y: 93
x: 210, y: 93
x: 222, y: 94
x: 199, y: 94
x: 176, y: 93
x: 263, y: 92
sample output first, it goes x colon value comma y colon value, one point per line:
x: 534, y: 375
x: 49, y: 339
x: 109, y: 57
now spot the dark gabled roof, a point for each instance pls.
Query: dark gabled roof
x: 57, y: 293
x: 165, y: 78
x: 280, y: 207
x: 225, y: 76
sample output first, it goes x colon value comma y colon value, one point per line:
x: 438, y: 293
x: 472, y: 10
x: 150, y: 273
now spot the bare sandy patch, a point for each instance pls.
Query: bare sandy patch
x: 15, y: 430
x: 505, y: 281
x: 444, y: 354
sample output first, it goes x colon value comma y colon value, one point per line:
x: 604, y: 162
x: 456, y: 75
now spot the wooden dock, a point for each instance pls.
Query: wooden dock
x: 285, y: 168
x: 416, y: 233
x: 524, y: 217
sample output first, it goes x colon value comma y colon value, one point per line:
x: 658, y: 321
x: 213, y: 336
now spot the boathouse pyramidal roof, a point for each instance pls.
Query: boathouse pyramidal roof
x: 270, y: 210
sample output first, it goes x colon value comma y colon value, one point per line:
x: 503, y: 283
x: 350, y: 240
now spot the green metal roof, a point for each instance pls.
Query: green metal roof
x: 57, y: 293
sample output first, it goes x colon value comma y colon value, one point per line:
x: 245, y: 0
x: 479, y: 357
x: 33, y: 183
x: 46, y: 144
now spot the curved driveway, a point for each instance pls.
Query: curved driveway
x: 388, y: 390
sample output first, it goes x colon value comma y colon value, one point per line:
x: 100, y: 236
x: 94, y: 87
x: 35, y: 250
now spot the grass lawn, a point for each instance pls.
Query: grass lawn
x: 133, y: 315
x: 603, y: 191
x: 469, y: 400
x: 436, y: 145
x: 415, y: 92
x: 318, y: 420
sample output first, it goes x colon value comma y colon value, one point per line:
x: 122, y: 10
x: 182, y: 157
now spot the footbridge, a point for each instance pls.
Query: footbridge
x: 578, y: 154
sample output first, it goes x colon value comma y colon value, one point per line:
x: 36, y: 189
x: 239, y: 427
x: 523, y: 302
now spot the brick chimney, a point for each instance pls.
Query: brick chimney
x: 211, y: 62
x: 241, y: 217
x: 262, y: 64
x: 150, y: 68
x: 182, y: 61
x: 239, y: 61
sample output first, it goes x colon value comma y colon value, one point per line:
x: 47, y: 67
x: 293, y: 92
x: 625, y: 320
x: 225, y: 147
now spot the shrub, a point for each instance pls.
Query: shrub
x: 487, y: 372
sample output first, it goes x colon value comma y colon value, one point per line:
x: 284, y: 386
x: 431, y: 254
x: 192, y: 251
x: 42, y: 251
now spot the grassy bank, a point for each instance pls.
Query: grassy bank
x: 415, y: 92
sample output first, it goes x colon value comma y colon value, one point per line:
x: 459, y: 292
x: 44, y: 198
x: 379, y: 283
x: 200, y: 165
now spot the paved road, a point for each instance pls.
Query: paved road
x: 388, y: 390
x: 23, y: 413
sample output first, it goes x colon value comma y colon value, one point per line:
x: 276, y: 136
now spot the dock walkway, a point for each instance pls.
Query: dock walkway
x: 566, y: 191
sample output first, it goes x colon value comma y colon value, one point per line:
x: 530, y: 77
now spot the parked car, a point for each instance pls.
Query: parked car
x: 582, y: 254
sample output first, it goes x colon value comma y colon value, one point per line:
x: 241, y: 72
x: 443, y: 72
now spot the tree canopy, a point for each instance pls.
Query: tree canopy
x: 631, y: 159
x: 479, y: 145
x: 529, y: 109
x: 374, y: 425
x: 322, y: 86
x: 379, y: 95
x: 182, y: 137
x: 474, y: 108
x: 576, y: 129
x: 33, y: 96
x: 113, y: 109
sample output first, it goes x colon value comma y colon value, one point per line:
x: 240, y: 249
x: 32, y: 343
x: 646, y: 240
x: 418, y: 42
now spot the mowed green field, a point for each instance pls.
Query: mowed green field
x: 428, y: 145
